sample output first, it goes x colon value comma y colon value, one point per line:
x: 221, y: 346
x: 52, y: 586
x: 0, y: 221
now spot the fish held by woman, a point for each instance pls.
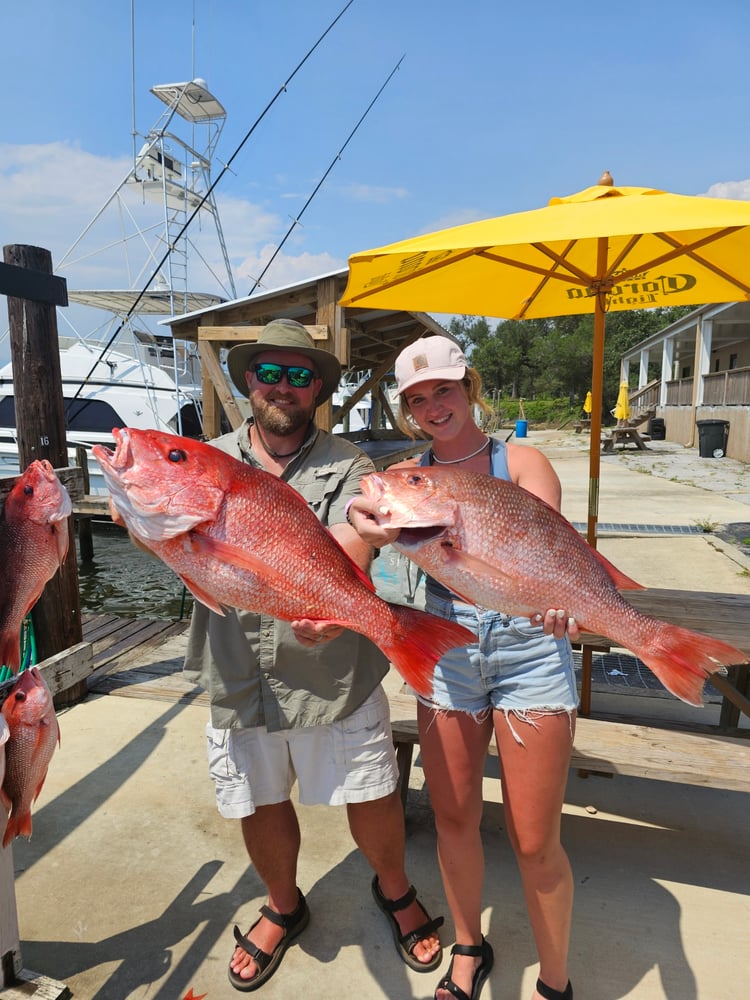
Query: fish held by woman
x: 496, y: 545
x: 240, y: 537
x: 34, y: 733
x: 34, y: 537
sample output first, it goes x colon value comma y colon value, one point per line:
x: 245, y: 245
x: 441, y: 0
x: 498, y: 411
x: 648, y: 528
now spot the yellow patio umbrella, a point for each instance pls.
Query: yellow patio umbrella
x: 587, y: 403
x: 604, y: 249
x: 622, y: 406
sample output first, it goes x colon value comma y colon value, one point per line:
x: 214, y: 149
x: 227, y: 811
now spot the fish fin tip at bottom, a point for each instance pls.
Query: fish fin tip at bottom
x: 18, y: 826
x: 420, y: 639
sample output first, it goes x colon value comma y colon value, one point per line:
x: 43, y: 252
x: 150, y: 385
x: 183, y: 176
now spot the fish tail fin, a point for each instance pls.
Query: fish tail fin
x: 10, y: 651
x: 19, y: 825
x: 418, y: 641
x: 683, y: 660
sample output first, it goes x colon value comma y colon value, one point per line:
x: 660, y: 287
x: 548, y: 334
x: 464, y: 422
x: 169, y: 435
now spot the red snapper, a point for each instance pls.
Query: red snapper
x: 240, y: 537
x: 33, y: 734
x: 33, y: 545
x: 496, y: 545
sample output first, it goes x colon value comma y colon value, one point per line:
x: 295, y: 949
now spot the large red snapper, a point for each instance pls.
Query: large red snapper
x: 498, y: 546
x: 34, y: 732
x: 33, y: 545
x: 240, y: 537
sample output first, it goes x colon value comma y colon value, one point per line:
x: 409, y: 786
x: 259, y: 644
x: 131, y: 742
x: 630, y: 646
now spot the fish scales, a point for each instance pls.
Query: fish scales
x: 240, y: 537
x: 34, y: 539
x: 498, y: 546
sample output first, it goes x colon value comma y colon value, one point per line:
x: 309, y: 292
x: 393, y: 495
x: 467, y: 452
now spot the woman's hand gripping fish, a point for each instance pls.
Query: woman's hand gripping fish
x: 240, y: 537
x: 497, y: 545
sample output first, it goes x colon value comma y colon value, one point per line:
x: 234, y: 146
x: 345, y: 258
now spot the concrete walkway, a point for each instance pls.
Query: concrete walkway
x: 131, y: 883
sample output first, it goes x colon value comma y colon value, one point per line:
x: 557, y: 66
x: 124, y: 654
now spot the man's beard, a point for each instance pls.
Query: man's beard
x: 275, y: 420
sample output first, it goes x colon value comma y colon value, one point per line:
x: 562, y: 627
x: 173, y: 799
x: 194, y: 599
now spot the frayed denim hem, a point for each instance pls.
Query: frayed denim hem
x: 530, y: 716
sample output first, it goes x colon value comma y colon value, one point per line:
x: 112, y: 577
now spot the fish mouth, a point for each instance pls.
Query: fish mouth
x: 119, y: 458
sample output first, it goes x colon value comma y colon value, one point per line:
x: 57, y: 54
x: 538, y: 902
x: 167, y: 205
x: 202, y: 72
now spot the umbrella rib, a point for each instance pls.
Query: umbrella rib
x: 412, y: 269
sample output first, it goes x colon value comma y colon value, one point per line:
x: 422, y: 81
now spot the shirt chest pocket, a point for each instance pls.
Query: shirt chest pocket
x: 320, y: 490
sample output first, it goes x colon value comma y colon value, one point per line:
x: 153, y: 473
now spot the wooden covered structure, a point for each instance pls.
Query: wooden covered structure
x: 366, y: 342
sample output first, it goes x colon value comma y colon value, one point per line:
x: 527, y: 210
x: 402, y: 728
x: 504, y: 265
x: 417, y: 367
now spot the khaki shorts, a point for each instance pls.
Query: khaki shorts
x: 349, y: 761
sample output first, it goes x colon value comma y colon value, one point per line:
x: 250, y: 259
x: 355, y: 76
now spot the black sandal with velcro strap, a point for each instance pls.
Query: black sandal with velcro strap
x: 406, y: 943
x: 293, y: 924
x: 483, y: 951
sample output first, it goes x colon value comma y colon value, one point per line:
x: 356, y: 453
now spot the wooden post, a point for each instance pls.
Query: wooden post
x: 40, y: 422
x: 85, y: 536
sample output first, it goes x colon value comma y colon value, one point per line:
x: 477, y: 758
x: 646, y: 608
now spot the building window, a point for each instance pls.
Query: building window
x: 732, y: 361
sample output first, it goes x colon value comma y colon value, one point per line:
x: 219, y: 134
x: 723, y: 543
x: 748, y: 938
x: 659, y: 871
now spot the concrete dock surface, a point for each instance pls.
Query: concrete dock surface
x: 131, y: 883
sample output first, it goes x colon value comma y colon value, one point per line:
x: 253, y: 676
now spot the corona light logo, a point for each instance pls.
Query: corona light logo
x: 635, y: 292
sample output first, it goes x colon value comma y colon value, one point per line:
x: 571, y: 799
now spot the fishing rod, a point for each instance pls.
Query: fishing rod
x: 282, y: 89
x: 337, y: 157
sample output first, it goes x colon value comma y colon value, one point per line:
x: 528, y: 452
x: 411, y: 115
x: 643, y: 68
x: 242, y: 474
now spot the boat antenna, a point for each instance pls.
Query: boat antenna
x: 337, y: 157
x: 282, y: 90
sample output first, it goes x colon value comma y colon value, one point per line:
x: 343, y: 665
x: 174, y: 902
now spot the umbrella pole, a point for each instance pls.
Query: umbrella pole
x: 595, y: 445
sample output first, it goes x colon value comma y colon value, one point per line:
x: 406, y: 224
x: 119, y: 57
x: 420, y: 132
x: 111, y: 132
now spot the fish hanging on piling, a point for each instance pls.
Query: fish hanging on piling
x: 33, y: 734
x: 34, y: 538
x: 240, y: 537
x: 496, y: 545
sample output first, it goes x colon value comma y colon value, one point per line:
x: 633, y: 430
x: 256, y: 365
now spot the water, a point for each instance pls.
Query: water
x: 125, y: 581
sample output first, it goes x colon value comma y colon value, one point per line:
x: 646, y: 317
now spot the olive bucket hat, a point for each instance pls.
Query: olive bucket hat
x: 285, y: 335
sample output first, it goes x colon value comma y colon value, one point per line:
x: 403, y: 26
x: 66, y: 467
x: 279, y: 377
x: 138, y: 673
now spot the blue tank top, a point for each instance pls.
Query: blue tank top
x: 498, y: 469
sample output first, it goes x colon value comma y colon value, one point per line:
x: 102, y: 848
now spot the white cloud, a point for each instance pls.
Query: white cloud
x: 739, y: 190
x: 374, y: 194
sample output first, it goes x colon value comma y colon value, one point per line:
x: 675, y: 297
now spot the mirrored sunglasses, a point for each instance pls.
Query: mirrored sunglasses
x: 271, y: 374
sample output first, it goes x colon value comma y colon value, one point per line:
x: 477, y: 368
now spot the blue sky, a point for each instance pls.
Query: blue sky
x: 497, y: 107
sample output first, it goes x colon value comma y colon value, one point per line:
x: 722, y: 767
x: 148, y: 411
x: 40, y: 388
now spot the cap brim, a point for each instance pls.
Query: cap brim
x: 453, y: 374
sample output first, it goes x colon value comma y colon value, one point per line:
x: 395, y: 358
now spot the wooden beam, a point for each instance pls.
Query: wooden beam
x: 216, y: 387
x: 250, y: 334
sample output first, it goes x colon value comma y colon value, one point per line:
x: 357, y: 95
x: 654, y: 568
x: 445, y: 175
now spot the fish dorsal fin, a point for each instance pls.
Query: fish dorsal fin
x: 620, y: 580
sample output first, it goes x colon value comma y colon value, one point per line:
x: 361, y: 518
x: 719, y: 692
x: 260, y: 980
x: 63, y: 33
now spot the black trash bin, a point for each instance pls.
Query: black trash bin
x: 657, y: 429
x: 712, y: 438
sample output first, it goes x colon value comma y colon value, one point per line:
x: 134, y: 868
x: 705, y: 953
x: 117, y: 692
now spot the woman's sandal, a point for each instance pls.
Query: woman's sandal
x: 549, y: 994
x: 406, y: 943
x: 483, y: 951
x: 293, y: 924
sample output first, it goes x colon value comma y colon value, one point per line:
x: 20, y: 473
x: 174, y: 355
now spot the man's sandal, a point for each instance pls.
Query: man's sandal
x: 406, y: 943
x: 549, y: 994
x: 483, y: 951
x: 293, y: 924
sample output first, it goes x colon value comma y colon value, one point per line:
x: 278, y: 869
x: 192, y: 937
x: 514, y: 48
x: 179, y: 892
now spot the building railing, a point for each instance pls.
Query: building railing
x: 680, y: 392
x: 730, y: 388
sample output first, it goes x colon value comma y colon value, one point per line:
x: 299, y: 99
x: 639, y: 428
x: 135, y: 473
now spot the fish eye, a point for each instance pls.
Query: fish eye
x: 177, y: 455
x: 414, y: 479
x: 28, y: 490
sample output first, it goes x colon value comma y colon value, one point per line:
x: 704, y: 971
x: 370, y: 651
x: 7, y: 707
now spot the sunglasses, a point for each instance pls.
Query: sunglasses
x: 271, y: 374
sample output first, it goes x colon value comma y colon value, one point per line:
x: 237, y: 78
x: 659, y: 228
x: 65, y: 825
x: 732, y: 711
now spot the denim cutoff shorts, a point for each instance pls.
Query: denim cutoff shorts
x: 513, y: 667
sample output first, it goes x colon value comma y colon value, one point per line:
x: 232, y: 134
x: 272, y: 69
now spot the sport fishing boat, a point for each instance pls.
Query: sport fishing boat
x: 126, y: 371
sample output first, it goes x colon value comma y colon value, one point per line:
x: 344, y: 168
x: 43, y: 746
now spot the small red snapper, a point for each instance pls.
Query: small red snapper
x: 34, y: 732
x: 33, y: 545
x: 240, y: 537
x: 498, y: 546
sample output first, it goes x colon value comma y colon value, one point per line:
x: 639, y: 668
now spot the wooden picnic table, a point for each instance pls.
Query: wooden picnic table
x: 723, y: 616
x: 624, y: 436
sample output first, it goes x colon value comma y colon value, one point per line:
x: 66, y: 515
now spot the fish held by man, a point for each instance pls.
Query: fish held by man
x: 34, y: 538
x: 496, y: 545
x: 242, y: 538
x: 34, y: 733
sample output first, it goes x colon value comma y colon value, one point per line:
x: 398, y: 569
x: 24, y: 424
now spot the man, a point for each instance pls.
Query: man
x: 280, y: 692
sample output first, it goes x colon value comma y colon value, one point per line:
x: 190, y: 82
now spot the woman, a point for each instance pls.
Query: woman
x: 517, y: 681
